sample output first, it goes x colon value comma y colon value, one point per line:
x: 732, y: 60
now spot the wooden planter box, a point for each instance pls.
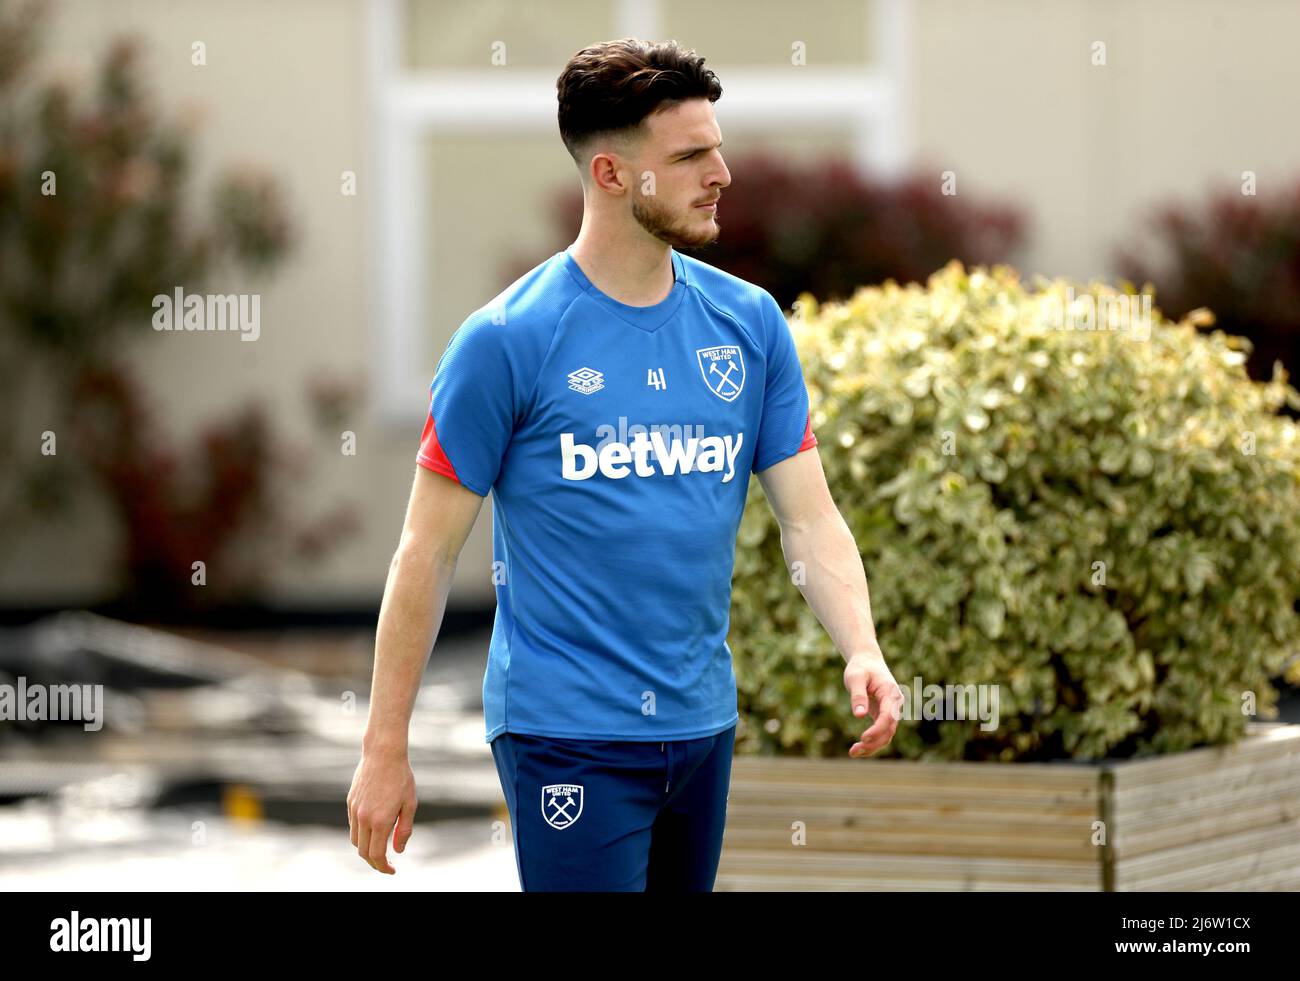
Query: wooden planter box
x: 1216, y: 818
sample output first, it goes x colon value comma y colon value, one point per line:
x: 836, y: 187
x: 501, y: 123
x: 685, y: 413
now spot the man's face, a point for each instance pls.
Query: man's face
x: 681, y: 151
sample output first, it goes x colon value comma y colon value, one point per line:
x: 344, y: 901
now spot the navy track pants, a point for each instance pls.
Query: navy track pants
x: 615, y: 815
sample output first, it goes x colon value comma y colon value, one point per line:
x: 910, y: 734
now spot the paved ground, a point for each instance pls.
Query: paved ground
x: 90, y: 826
x: 199, y: 851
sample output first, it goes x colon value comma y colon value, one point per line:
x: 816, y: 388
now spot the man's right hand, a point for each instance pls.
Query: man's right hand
x: 439, y: 517
x: 382, y: 794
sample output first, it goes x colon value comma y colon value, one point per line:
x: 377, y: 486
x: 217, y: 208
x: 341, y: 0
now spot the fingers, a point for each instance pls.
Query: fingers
x: 873, y: 690
x: 372, y: 843
x: 381, y: 796
x: 405, y: 825
x: 378, y: 857
x: 363, y: 842
x: 855, y: 680
x: 876, y: 737
x: 371, y: 838
x: 891, y: 700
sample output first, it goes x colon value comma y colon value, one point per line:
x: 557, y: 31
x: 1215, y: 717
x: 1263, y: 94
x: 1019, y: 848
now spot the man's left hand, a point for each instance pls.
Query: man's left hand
x: 873, y: 691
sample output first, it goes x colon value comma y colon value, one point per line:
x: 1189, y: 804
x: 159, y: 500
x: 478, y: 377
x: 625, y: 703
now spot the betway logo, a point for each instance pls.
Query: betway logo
x: 674, y: 456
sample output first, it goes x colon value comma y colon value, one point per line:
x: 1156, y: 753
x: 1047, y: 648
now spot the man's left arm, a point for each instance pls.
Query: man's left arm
x: 834, y: 585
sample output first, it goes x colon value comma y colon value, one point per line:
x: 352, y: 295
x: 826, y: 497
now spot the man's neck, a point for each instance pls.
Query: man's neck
x: 636, y: 271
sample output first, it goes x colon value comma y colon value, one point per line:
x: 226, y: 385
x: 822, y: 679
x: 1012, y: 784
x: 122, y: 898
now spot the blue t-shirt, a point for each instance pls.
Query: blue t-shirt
x: 618, y: 442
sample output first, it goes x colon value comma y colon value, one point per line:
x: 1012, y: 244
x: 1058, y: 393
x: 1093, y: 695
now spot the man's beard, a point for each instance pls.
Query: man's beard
x: 657, y: 220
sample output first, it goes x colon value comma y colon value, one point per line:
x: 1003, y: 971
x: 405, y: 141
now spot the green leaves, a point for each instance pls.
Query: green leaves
x: 1104, y: 523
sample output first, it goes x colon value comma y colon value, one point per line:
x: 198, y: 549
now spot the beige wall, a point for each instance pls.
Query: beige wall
x: 1001, y: 92
x: 1194, y: 92
x: 282, y: 87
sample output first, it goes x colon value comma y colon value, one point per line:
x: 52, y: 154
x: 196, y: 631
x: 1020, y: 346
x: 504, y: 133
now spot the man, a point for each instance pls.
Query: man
x: 615, y: 399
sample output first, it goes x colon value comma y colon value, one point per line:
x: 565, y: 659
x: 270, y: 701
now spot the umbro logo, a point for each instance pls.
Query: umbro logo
x: 586, y: 380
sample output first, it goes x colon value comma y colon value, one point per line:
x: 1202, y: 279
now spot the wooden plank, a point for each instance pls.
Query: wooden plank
x: 1068, y: 847
x: 949, y: 817
x: 821, y: 871
x: 1263, y: 743
x: 1210, y: 793
x: 1208, y: 864
x: 859, y: 773
x: 1209, y: 784
x: 744, y: 792
x: 773, y: 883
x: 1277, y: 880
x: 1135, y: 838
x: 921, y: 868
x: 1211, y: 797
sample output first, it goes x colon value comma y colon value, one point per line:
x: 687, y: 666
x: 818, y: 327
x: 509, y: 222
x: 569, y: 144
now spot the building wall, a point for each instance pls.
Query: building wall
x: 1001, y: 92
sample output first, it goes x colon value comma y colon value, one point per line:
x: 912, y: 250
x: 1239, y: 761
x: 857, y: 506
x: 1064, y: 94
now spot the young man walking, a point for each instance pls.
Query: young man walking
x: 615, y: 400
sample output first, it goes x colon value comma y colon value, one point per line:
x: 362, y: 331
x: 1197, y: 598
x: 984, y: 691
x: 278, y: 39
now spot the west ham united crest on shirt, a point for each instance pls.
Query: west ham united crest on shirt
x: 617, y: 442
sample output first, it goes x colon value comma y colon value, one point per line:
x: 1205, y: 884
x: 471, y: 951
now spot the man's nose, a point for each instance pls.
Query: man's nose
x: 723, y: 176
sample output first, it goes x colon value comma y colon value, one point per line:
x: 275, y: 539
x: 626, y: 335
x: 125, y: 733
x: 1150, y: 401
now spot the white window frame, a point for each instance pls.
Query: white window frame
x: 406, y: 106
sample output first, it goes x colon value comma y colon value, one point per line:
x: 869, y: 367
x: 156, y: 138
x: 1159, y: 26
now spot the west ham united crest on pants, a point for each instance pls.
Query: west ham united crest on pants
x: 561, y: 804
x: 723, y: 369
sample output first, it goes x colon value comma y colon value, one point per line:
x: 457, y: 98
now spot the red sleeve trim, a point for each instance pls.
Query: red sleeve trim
x: 431, y: 454
x: 809, y: 437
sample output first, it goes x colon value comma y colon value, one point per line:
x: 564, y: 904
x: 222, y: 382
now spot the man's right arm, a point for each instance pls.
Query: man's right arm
x: 439, y: 517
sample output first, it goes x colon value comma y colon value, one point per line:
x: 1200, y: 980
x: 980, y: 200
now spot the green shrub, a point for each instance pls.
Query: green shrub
x: 987, y: 461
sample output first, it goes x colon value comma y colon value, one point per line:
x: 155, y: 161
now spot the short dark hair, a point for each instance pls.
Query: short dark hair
x: 613, y: 86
